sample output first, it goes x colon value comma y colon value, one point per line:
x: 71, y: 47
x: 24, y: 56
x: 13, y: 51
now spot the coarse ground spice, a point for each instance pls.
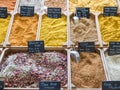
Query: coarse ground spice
x: 85, y: 30
x: 89, y: 72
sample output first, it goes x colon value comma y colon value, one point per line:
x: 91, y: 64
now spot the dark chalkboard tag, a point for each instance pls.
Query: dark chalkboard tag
x: 49, y: 85
x: 82, y: 12
x: 36, y: 46
x: 3, y: 12
x: 27, y: 11
x: 1, y: 85
x: 110, y: 11
x: 111, y: 85
x: 54, y: 12
x: 86, y: 46
x: 114, y: 48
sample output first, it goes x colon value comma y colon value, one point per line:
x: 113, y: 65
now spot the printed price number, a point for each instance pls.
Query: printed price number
x: 114, y: 48
x: 110, y: 11
x: 54, y: 12
x: 86, y: 46
x: 49, y: 85
x: 83, y: 12
x: 36, y: 46
x: 27, y: 11
x: 3, y: 12
x: 111, y: 85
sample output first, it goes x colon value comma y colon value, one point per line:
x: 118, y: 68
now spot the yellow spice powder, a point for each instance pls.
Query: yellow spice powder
x: 53, y: 31
x: 110, y: 28
x: 94, y: 5
x: 4, y: 23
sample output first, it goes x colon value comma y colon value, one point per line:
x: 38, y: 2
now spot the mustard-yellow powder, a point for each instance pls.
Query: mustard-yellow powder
x: 94, y: 5
x: 53, y: 31
x: 4, y: 23
x: 110, y: 28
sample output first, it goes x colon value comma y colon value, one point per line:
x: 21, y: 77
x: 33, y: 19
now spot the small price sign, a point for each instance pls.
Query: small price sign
x: 54, y: 12
x: 1, y: 85
x: 3, y: 12
x: 27, y: 11
x: 82, y: 12
x: 50, y: 85
x: 36, y: 46
x: 111, y: 85
x: 114, y: 48
x: 86, y: 47
x: 110, y: 11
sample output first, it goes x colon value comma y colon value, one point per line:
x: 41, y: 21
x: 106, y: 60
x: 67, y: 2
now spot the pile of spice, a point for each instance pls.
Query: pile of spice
x: 85, y: 30
x: 27, y: 70
x: 88, y: 73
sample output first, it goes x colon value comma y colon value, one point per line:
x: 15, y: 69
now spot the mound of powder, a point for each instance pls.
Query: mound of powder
x: 88, y: 73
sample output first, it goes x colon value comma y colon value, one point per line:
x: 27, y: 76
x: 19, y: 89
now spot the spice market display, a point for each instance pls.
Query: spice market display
x: 74, y: 43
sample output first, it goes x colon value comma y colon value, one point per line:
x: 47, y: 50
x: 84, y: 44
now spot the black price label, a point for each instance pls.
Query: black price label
x: 83, y: 12
x: 3, y: 12
x: 110, y: 11
x: 111, y: 85
x: 36, y: 46
x: 27, y: 11
x: 1, y: 85
x: 54, y: 12
x: 44, y: 85
x: 86, y: 47
x: 114, y: 48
